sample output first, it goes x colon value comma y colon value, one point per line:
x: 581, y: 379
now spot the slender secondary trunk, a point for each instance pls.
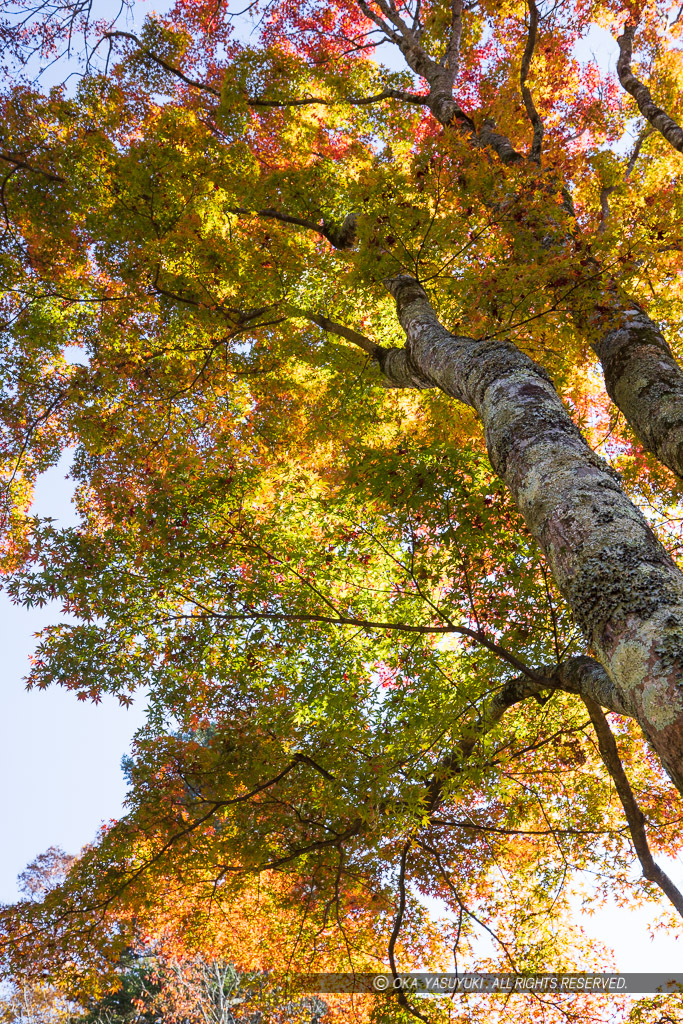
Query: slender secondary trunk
x: 657, y: 117
x: 644, y: 380
x: 624, y: 589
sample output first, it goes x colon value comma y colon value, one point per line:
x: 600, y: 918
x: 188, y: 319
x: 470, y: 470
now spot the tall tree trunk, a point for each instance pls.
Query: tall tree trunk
x: 623, y: 588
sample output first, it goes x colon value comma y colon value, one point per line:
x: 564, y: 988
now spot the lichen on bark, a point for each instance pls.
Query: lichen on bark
x: 644, y: 380
x: 624, y: 589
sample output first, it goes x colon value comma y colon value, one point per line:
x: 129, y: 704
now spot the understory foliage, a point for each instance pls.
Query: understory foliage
x: 318, y: 582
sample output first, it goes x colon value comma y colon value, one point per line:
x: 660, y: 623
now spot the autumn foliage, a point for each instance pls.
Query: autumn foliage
x: 362, y: 752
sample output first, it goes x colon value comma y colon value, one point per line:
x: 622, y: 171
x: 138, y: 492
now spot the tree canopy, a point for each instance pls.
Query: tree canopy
x: 362, y: 320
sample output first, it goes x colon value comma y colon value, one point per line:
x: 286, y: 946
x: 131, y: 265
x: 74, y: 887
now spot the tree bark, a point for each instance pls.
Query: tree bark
x: 644, y: 380
x: 587, y: 678
x: 624, y: 589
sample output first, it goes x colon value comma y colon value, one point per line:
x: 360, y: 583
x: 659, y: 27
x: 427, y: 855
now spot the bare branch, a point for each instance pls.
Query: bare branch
x: 634, y: 816
x: 657, y: 117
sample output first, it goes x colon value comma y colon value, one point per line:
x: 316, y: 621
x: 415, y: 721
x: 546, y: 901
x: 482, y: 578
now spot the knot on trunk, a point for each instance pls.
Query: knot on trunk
x: 405, y: 289
x: 342, y: 236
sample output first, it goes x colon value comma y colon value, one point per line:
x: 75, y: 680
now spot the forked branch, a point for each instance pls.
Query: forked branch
x: 580, y: 675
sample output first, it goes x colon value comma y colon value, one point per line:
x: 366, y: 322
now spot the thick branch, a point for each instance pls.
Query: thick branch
x: 451, y: 58
x: 358, y: 101
x: 332, y: 327
x: 489, y: 138
x: 341, y: 236
x: 634, y: 816
x: 642, y: 376
x: 605, y: 192
x: 512, y: 693
x: 529, y: 105
x: 381, y: 24
x: 390, y: 13
x: 440, y: 78
x: 586, y: 678
x: 580, y: 675
x: 635, y: 153
x: 439, y: 100
x: 657, y: 117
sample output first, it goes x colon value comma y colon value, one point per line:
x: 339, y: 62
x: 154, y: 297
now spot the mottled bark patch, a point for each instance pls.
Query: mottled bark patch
x: 619, y: 582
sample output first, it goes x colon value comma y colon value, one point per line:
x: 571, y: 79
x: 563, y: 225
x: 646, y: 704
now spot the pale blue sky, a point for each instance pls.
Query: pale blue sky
x: 60, y: 758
